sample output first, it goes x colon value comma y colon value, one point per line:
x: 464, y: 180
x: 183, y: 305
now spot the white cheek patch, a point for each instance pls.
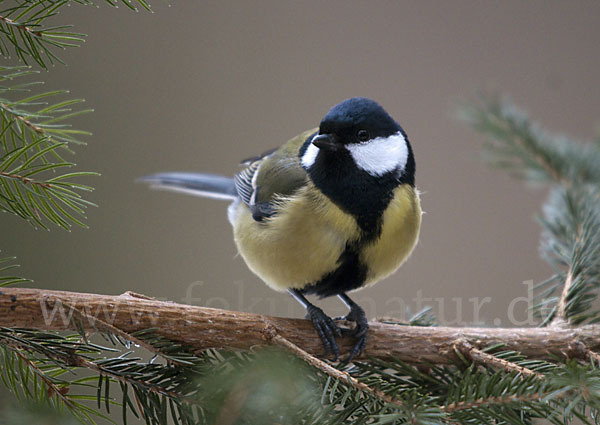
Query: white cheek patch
x: 380, y: 155
x: 310, y: 155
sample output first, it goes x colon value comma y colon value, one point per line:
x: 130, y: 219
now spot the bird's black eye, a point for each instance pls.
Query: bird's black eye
x: 362, y: 135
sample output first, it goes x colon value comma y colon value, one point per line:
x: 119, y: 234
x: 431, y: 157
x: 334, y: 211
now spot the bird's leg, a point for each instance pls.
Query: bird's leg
x: 324, y: 325
x: 358, y: 316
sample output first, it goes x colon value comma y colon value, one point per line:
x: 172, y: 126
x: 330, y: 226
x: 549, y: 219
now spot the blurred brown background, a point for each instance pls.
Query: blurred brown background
x: 197, y: 86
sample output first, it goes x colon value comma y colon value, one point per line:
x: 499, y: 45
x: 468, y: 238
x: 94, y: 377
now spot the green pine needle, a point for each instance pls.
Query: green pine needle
x: 36, y: 183
x: 571, y: 216
x: 523, y: 148
x: 6, y: 277
x: 23, y: 31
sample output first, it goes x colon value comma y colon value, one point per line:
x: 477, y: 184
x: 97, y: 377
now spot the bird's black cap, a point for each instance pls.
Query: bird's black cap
x: 357, y: 113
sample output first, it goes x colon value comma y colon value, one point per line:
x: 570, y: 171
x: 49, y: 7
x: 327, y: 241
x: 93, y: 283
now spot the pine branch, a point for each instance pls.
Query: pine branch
x: 129, y: 4
x: 511, y: 399
x: 571, y: 220
x: 22, y: 27
x: 571, y: 241
x: 33, y: 140
x: 24, y: 30
x: 479, y: 356
x: 330, y: 370
x: 9, y: 279
x: 201, y: 328
x: 38, y: 379
x: 52, y: 388
x: 526, y: 150
x: 33, y: 117
x: 159, y: 387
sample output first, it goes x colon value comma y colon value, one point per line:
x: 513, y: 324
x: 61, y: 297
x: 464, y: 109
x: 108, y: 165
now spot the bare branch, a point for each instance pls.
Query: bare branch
x: 200, y: 328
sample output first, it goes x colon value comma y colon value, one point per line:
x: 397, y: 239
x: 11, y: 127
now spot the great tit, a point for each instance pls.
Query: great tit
x: 332, y: 210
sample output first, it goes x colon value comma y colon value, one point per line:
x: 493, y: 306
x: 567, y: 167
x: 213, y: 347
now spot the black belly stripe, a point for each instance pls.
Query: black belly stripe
x: 361, y: 195
x: 355, y: 191
x: 350, y: 274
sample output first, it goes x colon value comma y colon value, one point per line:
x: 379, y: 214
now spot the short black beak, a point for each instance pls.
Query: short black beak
x: 326, y: 142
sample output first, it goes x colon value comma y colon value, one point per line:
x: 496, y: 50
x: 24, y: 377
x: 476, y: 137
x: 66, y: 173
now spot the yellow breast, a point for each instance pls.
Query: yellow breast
x: 302, y: 242
x: 299, y: 244
x: 399, y: 235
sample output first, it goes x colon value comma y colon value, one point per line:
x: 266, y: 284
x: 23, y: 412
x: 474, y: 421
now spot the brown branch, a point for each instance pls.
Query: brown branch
x: 37, y: 129
x: 21, y: 27
x: 464, y: 405
x: 560, y: 319
x: 200, y: 328
x: 482, y: 357
x: 25, y: 180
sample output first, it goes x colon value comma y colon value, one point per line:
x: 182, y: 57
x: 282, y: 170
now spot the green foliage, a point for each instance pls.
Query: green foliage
x: 34, y: 139
x: 27, y: 32
x: 523, y: 148
x: 33, y: 413
x: 128, y: 3
x: 189, y: 389
x: 6, y: 277
x: 259, y: 387
x: 33, y: 375
x: 571, y: 215
x: 571, y: 243
x: 270, y: 386
x: 23, y: 27
x: 38, y: 185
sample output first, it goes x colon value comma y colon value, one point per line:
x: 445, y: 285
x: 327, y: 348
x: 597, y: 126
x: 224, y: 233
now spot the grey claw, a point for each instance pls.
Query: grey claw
x: 326, y: 329
x: 358, y: 316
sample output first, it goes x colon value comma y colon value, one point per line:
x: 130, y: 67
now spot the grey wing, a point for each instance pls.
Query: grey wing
x: 246, y: 187
x: 244, y: 182
x: 274, y: 174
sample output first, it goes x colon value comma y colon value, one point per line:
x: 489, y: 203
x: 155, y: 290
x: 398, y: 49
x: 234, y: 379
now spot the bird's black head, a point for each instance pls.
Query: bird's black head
x: 361, y: 130
x: 358, y: 120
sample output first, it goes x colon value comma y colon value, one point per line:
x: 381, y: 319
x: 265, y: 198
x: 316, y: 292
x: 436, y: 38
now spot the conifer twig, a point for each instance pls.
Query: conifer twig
x: 495, y: 400
x: 482, y: 357
x: 102, y: 326
x: 52, y: 387
x: 21, y: 27
x: 79, y: 361
x: 24, y: 180
x: 19, y: 116
x: 328, y: 369
x: 560, y: 318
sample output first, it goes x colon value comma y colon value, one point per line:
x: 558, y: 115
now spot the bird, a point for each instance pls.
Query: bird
x: 333, y: 210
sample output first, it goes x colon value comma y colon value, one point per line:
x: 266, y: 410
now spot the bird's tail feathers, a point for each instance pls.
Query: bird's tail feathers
x: 197, y: 184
